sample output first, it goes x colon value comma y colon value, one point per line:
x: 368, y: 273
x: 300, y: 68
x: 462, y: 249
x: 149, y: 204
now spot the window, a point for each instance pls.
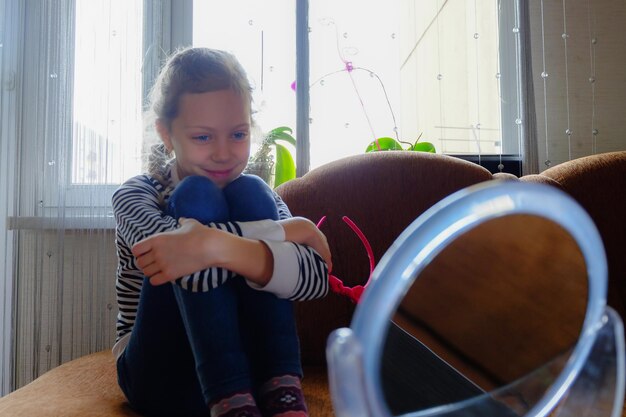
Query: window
x: 407, y: 70
x: 354, y: 71
x: 451, y: 75
x: 80, y: 89
x: 106, y: 146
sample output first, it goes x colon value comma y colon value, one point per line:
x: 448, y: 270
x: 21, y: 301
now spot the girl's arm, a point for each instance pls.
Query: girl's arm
x: 193, y: 247
x: 296, y: 271
x: 137, y: 207
x: 139, y: 215
x: 286, y: 269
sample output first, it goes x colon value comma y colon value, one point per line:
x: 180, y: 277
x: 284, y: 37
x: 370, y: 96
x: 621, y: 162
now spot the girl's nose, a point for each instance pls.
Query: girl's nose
x: 221, y: 150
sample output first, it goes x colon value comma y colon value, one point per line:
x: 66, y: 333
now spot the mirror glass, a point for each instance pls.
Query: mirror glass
x: 501, y: 301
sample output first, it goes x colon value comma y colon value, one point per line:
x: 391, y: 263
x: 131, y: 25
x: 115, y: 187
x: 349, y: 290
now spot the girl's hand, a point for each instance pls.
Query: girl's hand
x: 303, y: 231
x: 169, y: 255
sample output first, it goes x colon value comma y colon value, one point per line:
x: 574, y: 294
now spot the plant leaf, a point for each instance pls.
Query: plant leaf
x: 282, y: 133
x: 281, y: 129
x: 285, y: 168
x: 424, y: 147
x: 386, y: 144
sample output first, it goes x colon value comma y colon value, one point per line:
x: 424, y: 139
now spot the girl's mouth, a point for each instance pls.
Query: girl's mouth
x: 221, y: 174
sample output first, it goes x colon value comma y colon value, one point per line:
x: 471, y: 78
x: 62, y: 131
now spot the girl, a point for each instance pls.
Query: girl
x: 219, y: 337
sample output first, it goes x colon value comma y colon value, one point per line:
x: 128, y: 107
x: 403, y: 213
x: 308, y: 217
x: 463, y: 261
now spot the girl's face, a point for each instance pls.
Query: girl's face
x: 210, y: 136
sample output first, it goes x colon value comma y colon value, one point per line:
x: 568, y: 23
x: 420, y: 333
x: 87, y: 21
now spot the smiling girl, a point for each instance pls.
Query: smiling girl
x: 210, y: 259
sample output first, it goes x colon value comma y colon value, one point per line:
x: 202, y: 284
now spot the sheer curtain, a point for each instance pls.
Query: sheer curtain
x: 78, y: 135
x: 8, y: 126
x: 578, y: 72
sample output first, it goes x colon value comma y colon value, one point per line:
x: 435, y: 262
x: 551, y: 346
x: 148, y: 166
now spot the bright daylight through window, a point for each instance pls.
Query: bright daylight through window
x: 107, y: 134
x: 405, y: 70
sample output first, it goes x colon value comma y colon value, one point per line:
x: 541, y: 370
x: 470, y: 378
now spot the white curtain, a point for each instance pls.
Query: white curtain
x: 78, y: 84
x: 8, y: 103
x: 578, y: 73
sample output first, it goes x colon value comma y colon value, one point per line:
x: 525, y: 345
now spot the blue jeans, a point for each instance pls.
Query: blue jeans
x: 187, y: 348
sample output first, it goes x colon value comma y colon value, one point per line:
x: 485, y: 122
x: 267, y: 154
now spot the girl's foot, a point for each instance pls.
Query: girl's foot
x: 282, y: 396
x: 241, y: 404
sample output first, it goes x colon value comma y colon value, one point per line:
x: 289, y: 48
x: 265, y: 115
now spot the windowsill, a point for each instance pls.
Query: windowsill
x: 512, y: 164
x: 64, y: 223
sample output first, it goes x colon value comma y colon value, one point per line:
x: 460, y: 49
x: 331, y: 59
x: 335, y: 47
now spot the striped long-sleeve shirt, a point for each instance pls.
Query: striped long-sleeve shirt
x: 299, y: 272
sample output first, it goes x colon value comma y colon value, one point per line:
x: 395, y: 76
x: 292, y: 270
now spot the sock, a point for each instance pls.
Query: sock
x: 240, y: 404
x: 282, y: 396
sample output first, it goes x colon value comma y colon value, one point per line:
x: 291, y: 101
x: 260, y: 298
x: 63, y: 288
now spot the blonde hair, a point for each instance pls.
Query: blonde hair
x: 189, y: 70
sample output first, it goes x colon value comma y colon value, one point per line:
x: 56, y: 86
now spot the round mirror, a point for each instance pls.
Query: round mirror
x: 491, y: 303
x: 497, y: 303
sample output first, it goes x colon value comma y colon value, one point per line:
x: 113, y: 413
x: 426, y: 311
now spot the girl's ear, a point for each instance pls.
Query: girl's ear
x: 165, y: 135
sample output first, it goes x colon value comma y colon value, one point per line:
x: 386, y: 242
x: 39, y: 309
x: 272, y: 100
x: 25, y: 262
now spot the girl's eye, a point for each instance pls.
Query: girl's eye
x: 240, y: 135
x: 201, y: 138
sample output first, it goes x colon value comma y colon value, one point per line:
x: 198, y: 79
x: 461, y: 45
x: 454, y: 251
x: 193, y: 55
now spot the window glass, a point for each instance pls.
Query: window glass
x: 107, y: 126
x: 354, y: 72
x: 450, y: 74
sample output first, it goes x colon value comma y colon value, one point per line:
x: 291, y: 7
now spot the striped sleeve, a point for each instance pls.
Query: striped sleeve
x: 300, y: 273
x: 138, y: 212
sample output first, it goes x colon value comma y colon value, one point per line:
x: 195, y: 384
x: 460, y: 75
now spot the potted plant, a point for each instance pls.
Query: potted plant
x: 390, y: 144
x: 273, y: 157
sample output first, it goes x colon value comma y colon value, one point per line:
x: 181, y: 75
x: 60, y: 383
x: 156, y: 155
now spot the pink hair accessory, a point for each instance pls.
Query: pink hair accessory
x: 336, y: 284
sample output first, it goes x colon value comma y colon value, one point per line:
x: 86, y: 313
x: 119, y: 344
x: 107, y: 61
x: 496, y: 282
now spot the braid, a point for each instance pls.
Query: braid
x: 157, y: 161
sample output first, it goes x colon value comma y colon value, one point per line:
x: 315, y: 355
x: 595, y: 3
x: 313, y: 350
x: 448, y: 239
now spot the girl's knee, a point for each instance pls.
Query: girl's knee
x: 250, y: 198
x: 197, y: 197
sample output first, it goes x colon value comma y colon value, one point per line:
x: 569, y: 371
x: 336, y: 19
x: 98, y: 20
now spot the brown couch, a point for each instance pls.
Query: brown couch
x: 382, y: 193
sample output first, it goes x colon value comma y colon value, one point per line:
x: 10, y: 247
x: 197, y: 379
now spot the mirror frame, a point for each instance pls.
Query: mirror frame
x: 354, y: 354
